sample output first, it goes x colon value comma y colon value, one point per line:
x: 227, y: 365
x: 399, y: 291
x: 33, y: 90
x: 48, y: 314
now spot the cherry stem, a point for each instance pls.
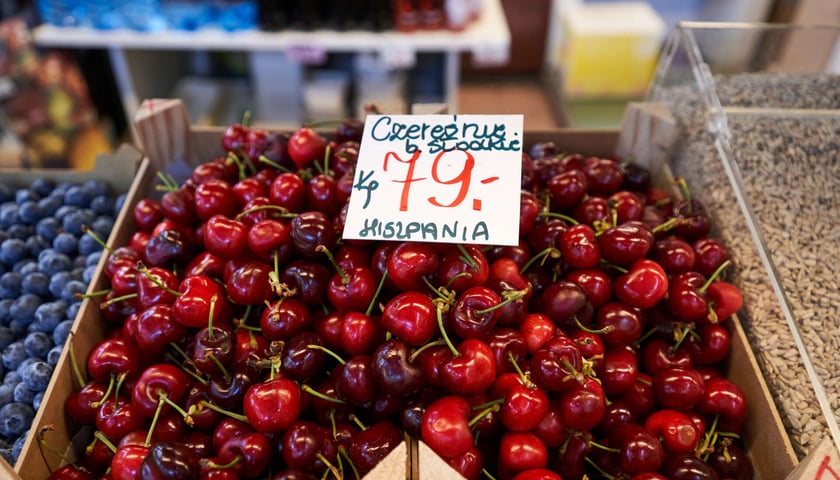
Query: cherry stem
x: 189, y: 372
x: 120, y: 380
x: 666, y: 225
x: 168, y: 181
x: 272, y: 163
x: 561, y: 216
x: 443, y: 333
x: 683, y: 334
x: 161, y: 402
x: 541, y: 258
x: 98, y: 239
x: 482, y: 406
x: 680, y: 181
x: 483, y: 413
x: 141, y: 267
x: 457, y: 276
x: 705, y: 448
x: 525, y: 379
x: 326, y: 350
x: 509, y: 296
x: 283, y: 211
x: 216, y: 466
x: 355, y: 419
x: 598, y: 331
x: 467, y: 258
x: 219, y: 364
x: 603, y: 447
x: 423, y: 348
x: 216, y: 408
x: 43, y: 443
x: 326, y: 251
x: 598, y: 468
x: 346, y: 456
x: 102, y: 438
x: 487, y: 474
x: 717, y: 273
x: 114, y: 300
x: 95, y: 294
x: 74, y: 363
x: 316, y: 393
x: 327, y: 156
x: 379, y: 288
x: 105, y: 395
x: 330, y: 467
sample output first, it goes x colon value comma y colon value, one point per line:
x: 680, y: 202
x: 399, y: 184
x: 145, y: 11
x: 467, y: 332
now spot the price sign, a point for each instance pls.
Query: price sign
x: 438, y: 178
x: 823, y: 463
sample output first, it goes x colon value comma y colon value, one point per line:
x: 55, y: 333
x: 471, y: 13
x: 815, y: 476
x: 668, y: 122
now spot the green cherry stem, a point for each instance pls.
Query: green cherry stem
x: 326, y: 350
x: 378, y: 291
x: 561, y: 216
x: 714, y: 276
x: 509, y: 296
x: 443, y: 333
x: 541, y: 257
x: 216, y: 408
x: 316, y: 393
x: 341, y: 273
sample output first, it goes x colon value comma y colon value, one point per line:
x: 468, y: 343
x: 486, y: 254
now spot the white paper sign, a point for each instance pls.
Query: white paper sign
x: 821, y: 464
x: 438, y: 178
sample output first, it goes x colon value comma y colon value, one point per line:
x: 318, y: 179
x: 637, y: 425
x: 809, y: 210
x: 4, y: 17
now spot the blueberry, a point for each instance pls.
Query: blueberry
x: 49, y: 314
x: 36, y: 376
x: 121, y: 198
x: 66, y: 243
x: 5, y: 308
x: 30, y: 212
x: 7, y: 193
x: 61, y: 332
x: 24, y: 307
x: 9, y: 215
x: 42, y: 186
x: 89, y: 273
x: 37, y: 283
x: 102, y: 226
x: 7, y: 336
x: 25, y: 266
x: 50, y: 204
x: 7, y: 393
x: 15, y: 418
x: 53, y: 355
x: 11, y: 378
x: 38, y: 344
x: 52, y: 262
x: 77, y: 196
x: 92, y: 259
x: 20, y: 231
x: 12, y: 250
x: 75, y: 220
x: 36, y: 401
x: 73, y: 309
x: 6, y: 453
x: 17, y: 447
x: 23, y: 195
x: 10, y: 284
x: 13, y: 355
x: 24, y: 394
x: 102, y: 205
x: 48, y: 227
x: 95, y: 188
x: 36, y: 244
x: 73, y: 290
x: 88, y: 245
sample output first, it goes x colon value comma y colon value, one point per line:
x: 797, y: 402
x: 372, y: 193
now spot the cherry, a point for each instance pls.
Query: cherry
x: 312, y: 231
x: 583, y: 406
x: 687, y: 467
x: 529, y: 207
x: 470, y: 465
x: 410, y: 316
x: 112, y: 357
x: 659, y: 354
x: 567, y: 189
x: 392, y: 369
x: 360, y: 333
x: 626, y: 243
x: 675, y: 430
x: 81, y: 405
x: 228, y: 390
x: 565, y: 303
x: 308, y: 447
x: 322, y: 194
x: 618, y: 370
x: 127, y: 462
x: 471, y: 370
x: 643, y: 286
x: 170, y: 460
x: 288, y: 190
x: 306, y: 146
x: 674, y: 254
x: 373, y: 443
x: 620, y: 325
x: 118, y: 416
x: 678, y: 388
x: 592, y: 211
x: 508, y: 347
x: 409, y: 263
x: 272, y: 406
x: 253, y: 451
x: 711, y: 345
x: 729, y: 460
x: 525, y: 404
x: 579, y: 246
x: 710, y: 254
x: 158, y: 388
x: 724, y: 398
x: 628, y: 206
x: 307, y: 280
x: 463, y: 267
x: 520, y: 451
x: 640, y: 451
x: 604, y: 175
x: 249, y: 283
x: 725, y: 299
x: 445, y: 426
x: 225, y: 237
x: 214, y: 197
x: 168, y: 247
x: 147, y: 213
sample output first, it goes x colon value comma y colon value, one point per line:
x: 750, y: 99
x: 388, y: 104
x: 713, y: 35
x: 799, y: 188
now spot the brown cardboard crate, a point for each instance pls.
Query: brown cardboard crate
x: 171, y: 144
x: 118, y: 171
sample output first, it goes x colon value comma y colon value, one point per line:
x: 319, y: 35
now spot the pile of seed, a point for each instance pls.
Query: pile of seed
x: 790, y: 166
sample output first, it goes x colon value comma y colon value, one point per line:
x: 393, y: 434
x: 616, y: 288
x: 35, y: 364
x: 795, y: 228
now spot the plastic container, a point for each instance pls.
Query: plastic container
x: 759, y: 110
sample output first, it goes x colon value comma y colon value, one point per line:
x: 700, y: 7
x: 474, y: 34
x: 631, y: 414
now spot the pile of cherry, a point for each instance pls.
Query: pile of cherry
x: 249, y: 340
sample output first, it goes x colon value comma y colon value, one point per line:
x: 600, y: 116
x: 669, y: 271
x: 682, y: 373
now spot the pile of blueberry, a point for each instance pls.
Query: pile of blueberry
x: 46, y: 263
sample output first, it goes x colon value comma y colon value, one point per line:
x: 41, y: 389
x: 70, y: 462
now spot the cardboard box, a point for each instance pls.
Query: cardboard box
x: 179, y: 146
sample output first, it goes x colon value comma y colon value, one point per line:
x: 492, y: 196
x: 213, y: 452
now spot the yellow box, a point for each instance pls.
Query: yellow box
x: 609, y: 49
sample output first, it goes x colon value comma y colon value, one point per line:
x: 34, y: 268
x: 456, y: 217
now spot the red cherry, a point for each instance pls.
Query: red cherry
x: 306, y: 146
x: 272, y: 406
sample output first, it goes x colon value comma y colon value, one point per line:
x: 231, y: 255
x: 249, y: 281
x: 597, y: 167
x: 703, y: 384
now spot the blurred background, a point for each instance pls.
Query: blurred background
x: 74, y: 72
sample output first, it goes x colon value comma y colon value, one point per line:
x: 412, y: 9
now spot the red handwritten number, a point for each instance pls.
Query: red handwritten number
x: 409, y: 175
x: 462, y: 178
x: 825, y: 468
